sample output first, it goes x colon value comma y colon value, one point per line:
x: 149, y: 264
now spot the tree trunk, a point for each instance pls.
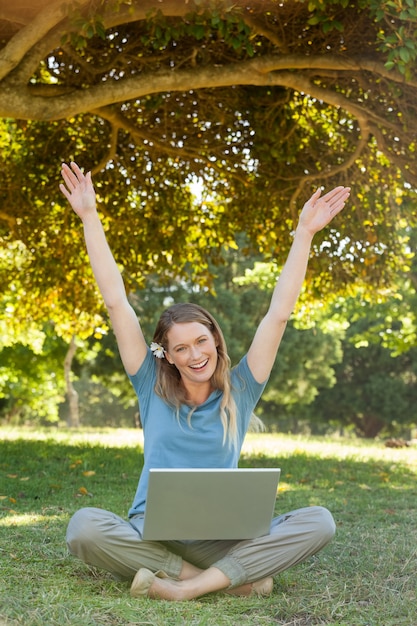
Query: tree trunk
x: 72, y: 394
x: 369, y: 425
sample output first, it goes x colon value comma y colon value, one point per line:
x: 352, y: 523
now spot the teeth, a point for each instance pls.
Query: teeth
x: 199, y: 367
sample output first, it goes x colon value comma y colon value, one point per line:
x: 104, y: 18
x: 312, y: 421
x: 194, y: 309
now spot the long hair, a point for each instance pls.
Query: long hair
x: 168, y: 385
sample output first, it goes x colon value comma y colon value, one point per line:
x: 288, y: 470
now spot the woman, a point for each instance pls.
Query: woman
x: 195, y: 412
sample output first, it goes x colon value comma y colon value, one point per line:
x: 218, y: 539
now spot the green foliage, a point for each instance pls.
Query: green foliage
x: 41, y: 279
x: 349, y: 364
x: 32, y: 379
x: 305, y: 364
x: 352, y: 365
x: 214, y: 19
x: 374, y: 392
x: 104, y: 402
x: 398, y: 33
x: 213, y: 23
x: 396, y: 22
x: 325, y: 114
x: 376, y: 381
x: 257, y: 151
x: 85, y: 23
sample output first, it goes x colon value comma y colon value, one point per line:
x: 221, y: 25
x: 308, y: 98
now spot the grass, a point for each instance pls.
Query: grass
x: 366, y: 577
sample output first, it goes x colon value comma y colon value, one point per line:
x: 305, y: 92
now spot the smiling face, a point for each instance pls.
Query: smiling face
x: 192, y: 349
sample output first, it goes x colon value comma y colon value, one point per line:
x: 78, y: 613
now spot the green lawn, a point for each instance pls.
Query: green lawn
x: 366, y: 577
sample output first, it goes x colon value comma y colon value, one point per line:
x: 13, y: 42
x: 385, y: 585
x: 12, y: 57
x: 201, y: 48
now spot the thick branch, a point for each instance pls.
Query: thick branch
x: 27, y: 37
x: 142, y: 9
x: 337, y: 63
x: 258, y: 71
x: 30, y: 46
x: 49, y: 36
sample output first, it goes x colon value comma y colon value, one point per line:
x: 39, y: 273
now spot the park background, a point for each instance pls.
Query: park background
x: 207, y: 124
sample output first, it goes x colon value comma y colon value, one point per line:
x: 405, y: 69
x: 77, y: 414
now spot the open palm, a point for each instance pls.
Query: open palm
x: 320, y: 210
x: 78, y: 189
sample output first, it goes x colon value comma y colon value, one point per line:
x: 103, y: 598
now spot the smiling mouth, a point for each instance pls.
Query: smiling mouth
x: 200, y: 366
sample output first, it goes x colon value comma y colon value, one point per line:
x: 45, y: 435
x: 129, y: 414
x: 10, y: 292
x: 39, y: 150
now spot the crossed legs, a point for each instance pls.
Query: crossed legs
x: 193, y: 569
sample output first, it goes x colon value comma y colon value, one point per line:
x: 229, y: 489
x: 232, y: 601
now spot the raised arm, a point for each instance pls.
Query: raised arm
x: 316, y: 214
x: 79, y: 191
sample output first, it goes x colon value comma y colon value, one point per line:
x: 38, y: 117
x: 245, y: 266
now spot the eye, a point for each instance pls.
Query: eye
x: 202, y: 340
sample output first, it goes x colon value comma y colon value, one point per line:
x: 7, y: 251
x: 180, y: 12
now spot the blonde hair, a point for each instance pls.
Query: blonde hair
x: 168, y: 377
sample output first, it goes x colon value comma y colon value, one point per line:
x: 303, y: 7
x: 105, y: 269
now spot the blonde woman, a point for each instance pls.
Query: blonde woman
x: 195, y: 412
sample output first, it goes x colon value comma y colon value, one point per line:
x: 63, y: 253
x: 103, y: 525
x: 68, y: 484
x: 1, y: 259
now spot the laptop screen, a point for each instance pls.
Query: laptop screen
x: 208, y: 504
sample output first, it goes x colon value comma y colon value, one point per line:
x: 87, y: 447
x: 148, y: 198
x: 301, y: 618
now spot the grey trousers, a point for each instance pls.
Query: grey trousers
x: 105, y: 540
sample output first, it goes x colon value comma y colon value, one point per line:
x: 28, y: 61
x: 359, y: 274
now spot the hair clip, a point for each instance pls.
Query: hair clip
x: 157, y: 350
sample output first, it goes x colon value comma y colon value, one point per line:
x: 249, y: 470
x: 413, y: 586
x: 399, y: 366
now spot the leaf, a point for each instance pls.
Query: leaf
x: 405, y: 55
x: 89, y: 473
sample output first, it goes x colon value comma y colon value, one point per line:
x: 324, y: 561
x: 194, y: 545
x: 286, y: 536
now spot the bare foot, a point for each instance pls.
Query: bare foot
x: 168, y: 589
x: 261, y: 588
x: 160, y: 586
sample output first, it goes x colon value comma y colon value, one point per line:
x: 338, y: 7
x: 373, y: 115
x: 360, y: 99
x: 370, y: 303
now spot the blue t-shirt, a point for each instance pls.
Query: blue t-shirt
x: 169, y: 442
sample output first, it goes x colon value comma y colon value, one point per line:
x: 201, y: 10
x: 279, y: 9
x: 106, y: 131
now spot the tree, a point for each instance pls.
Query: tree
x: 72, y: 394
x: 352, y: 361
x: 31, y: 377
x: 376, y: 381
x: 259, y: 101
x: 374, y: 391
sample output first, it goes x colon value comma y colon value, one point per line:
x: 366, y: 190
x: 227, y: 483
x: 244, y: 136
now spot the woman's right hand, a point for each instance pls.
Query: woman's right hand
x: 78, y: 189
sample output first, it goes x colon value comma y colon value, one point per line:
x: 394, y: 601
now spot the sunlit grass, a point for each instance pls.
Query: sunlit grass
x: 366, y: 577
x: 105, y: 437
x: 26, y: 519
x: 264, y: 443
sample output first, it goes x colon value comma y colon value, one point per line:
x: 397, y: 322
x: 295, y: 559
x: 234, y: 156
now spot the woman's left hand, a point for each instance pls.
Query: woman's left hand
x: 320, y: 210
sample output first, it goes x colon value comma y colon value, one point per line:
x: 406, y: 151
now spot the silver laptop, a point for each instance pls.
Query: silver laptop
x: 210, y: 503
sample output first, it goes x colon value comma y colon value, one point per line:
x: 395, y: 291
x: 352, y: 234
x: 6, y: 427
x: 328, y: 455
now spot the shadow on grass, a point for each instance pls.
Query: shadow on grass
x: 36, y: 476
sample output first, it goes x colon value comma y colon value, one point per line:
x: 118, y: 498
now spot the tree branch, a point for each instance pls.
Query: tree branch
x: 112, y: 151
x: 335, y: 62
x: 258, y: 72
x: 115, y: 118
x: 261, y: 29
x: 14, y: 51
x: 41, y: 31
x: 9, y: 219
x: 329, y: 172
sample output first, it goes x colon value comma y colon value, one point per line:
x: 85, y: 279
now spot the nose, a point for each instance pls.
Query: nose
x: 195, y: 352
